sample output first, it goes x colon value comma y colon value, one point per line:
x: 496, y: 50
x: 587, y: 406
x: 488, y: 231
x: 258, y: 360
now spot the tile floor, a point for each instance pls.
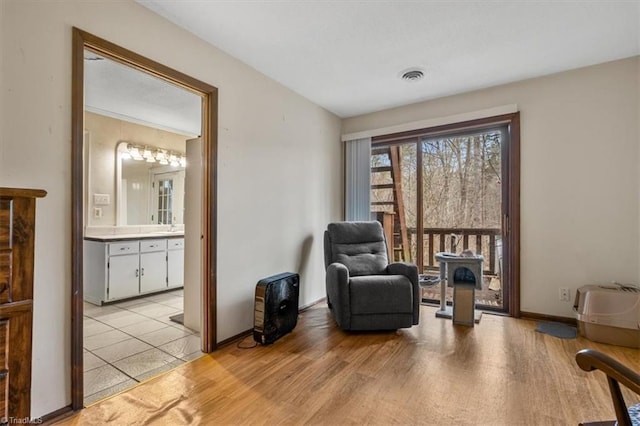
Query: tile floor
x: 128, y: 342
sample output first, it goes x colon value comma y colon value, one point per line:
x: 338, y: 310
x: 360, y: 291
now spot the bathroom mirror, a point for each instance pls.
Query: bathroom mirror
x: 150, y: 185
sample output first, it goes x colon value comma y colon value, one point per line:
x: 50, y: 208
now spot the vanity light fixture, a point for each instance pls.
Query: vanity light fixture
x: 152, y: 155
x: 134, y: 152
x: 147, y: 155
x: 161, y: 157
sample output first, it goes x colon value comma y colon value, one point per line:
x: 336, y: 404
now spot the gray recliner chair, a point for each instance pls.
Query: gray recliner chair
x: 364, y: 290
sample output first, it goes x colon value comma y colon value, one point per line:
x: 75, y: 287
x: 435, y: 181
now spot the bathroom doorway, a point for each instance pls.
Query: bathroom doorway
x: 123, y: 330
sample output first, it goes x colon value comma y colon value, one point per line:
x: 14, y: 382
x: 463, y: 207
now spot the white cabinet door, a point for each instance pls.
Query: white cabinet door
x: 175, y: 268
x: 123, y: 276
x: 153, y: 271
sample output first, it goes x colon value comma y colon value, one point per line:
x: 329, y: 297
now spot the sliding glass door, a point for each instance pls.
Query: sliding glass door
x: 445, y: 192
x: 462, y: 205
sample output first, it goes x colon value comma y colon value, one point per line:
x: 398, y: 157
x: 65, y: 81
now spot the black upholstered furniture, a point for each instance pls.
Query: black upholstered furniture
x: 365, y: 291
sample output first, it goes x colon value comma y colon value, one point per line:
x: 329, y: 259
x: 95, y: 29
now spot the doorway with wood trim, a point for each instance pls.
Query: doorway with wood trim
x: 83, y: 42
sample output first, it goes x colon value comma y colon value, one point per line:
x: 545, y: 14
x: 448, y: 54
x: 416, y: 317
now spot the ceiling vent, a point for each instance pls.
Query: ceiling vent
x: 412, y: 74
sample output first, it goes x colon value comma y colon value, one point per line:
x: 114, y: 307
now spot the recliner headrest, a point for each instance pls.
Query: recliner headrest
x: 355, y: 232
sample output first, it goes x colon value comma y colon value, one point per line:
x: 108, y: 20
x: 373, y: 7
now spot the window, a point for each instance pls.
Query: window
x: 165, y: 200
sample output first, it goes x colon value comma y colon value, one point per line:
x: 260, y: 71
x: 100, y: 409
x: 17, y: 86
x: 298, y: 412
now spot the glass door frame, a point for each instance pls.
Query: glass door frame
x: 510, y: 151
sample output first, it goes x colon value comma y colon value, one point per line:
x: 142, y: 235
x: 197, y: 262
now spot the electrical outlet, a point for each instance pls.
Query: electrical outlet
x: 97, y: 212
x: 101, y: 199
x: 564, y: 295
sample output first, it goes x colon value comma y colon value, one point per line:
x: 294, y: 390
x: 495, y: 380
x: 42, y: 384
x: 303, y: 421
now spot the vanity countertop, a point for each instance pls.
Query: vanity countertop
x: 129, y: 237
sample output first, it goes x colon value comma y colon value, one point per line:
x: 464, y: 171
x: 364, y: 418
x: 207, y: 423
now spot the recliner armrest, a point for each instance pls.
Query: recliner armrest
x: 410, y: 271
x: 337, y: 282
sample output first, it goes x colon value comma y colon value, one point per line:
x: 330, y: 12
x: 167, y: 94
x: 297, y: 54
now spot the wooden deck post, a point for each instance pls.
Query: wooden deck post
x: 386, y: 219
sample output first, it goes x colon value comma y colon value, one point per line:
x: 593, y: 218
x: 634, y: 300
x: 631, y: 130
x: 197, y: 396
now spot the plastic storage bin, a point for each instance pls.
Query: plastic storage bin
x: 609, y: 314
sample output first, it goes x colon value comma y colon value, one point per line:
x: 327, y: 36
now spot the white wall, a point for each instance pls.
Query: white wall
x: 279, y: 165
x: 579, y: 178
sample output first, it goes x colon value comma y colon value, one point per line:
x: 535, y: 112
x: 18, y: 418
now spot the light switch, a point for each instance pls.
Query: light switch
x: 101, y: 199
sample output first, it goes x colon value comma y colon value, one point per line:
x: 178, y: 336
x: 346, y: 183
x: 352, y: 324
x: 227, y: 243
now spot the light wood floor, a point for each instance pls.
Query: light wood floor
x: 500, y: 372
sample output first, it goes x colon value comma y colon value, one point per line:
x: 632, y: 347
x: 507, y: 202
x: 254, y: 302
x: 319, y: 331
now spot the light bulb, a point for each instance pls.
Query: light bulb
x: 134, y: 152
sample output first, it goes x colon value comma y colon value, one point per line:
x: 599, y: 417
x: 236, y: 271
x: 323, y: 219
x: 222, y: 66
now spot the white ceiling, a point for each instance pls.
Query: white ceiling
x: 347, y: 55
x: 125, y: 93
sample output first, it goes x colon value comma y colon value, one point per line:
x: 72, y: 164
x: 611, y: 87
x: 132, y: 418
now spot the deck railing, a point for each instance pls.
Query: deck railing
x: 479, y: 240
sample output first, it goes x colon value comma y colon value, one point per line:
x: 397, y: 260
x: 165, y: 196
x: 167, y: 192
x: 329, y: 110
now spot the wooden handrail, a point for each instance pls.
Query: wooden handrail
x: 490, y: 233
x: 459, y: 231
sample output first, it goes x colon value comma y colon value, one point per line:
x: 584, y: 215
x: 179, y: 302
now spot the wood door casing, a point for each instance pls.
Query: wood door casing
x: 82, y: 40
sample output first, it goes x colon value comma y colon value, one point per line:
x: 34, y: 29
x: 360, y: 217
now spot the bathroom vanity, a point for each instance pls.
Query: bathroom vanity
x: 118, y: 267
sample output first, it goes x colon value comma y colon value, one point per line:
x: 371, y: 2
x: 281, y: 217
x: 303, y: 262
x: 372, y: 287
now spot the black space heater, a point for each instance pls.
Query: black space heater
x: 275, y: 307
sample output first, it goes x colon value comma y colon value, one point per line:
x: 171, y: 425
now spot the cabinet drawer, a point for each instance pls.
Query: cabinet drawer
x: 127, y: 247
x: 147, y: 246
x: 5, y: 224
x: 175, y: 243
x: 5, y: 277
x: 4, y: 382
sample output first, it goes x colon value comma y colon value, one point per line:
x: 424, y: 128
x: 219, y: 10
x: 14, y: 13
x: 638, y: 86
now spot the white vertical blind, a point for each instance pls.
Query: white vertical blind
x: 358, y: 179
